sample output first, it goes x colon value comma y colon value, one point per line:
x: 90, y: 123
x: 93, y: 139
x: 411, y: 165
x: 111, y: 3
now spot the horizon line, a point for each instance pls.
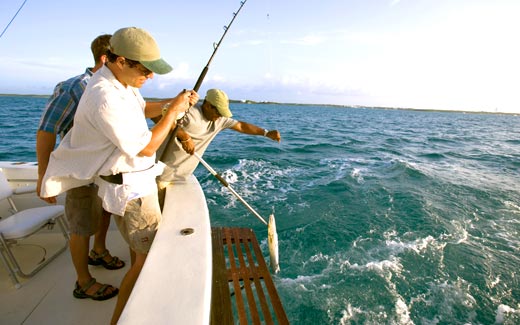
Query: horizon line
x: 247, y: 101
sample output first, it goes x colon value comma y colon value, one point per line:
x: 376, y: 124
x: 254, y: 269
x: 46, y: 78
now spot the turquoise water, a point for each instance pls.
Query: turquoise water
x: 383, y: 216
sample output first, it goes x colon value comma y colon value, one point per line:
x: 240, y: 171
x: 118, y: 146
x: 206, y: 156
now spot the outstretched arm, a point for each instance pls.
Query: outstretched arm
x: 247, y: 128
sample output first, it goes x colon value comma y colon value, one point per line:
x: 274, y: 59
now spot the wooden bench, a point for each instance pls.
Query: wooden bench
x: 242, y: 284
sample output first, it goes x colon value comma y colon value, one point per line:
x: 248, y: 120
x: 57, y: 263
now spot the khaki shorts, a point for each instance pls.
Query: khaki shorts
x: 83, y: 208
x: 140, y: 222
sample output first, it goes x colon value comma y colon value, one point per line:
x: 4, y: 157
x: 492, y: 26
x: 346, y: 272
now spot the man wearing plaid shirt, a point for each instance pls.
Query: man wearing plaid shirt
x: 83, y: 207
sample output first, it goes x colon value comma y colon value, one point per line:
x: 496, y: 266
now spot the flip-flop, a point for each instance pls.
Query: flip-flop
x: 101, y: 294
x: 98, y: 259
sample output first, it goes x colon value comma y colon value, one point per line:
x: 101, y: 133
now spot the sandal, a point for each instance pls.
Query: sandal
x: 99, y: 259
x: 101, y: 294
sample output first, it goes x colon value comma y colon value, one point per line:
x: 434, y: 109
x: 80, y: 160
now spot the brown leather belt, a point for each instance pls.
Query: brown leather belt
x: 114, y: 179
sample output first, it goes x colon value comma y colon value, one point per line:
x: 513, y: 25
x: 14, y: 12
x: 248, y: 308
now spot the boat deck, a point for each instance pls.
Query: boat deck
x: 46, y: 298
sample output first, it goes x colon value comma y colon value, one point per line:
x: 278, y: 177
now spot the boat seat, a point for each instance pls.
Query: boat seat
x: 23, y: 224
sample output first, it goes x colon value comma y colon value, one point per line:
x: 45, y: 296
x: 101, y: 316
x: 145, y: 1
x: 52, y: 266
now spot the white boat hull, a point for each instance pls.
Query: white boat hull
x: 174, y: 286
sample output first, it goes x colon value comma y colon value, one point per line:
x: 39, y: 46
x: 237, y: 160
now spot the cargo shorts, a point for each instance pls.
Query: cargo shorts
x: 140, y: 223
x: 83, y: 209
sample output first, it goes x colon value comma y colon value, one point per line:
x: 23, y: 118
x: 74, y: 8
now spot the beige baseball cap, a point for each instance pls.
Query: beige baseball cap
x: 220, y: 100
x: 137, y: 44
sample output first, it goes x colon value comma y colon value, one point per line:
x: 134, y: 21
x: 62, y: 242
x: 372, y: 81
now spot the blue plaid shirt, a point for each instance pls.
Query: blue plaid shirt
x: 59, y: 112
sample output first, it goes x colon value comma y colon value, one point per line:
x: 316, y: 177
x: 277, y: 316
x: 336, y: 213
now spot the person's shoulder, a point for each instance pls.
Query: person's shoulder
x: 227, y: 122
x: 195, y: 111
x: 84, y: 77
x: 74, y: 81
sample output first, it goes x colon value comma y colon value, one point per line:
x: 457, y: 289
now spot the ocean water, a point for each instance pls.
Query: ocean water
x: 383, y: 216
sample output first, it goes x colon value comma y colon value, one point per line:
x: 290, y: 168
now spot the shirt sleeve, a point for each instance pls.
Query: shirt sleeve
x: 54, y: 114
x: 227, y: 123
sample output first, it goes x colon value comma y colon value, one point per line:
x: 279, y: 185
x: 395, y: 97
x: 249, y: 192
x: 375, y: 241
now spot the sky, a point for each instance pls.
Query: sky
x: 422, y: 54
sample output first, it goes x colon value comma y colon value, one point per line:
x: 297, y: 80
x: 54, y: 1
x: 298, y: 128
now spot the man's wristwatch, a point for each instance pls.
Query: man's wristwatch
x: 164, y: 108
x: 265, y: 132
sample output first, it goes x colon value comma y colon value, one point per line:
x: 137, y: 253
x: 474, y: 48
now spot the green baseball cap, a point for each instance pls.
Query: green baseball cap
x: 220, y: 100
x: 137, y: 44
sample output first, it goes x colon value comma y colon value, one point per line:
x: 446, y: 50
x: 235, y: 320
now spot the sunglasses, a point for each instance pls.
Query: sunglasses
x: 135, y: 64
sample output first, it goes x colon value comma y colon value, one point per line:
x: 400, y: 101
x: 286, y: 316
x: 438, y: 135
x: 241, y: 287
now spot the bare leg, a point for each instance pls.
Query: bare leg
x: 132, y: 257
x: 79, y: 246
x: 127, y: 285
x: 100, y: 241
x: 79, y: 252
x: 101, y: 236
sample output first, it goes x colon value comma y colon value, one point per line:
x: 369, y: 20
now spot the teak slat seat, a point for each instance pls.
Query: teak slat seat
x: 242, y: 284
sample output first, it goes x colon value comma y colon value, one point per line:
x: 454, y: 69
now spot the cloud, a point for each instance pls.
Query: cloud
x: 307, y: 40
x: 50, y: 63
x: 255, y: 42
x: 181, y: 71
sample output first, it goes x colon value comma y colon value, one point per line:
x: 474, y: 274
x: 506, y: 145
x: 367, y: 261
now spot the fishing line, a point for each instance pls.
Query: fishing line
x: 16, y: 14
x: 269, y: 41
x: 202, y: 75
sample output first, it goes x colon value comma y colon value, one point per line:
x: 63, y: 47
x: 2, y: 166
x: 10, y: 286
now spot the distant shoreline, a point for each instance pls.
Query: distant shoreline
x: 327, y: 105
x: 18, y: 95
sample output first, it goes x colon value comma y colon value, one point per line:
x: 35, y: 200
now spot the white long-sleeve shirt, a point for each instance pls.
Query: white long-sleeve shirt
x: 109, y: 131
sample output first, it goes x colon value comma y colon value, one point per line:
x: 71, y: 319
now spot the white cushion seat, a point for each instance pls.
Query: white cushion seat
x: 28, y: 221
x: 22, y: 224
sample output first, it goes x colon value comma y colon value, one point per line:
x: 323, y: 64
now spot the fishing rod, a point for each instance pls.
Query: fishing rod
x: 10, y: 22
x: 201, y: 78
x: 216, y: 46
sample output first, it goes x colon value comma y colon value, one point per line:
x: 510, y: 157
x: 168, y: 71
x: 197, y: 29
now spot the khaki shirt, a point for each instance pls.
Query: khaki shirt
x: 179, y: 164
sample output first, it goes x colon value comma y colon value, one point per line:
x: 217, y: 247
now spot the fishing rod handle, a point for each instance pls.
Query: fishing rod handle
x: 221, y: 180
x: 211, y: 170
x: 201, y: 78
x: 196, y: 88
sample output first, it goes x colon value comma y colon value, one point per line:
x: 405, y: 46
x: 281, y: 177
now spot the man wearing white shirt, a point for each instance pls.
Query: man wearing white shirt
x: 110, y: 144
x: 83, y: 207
